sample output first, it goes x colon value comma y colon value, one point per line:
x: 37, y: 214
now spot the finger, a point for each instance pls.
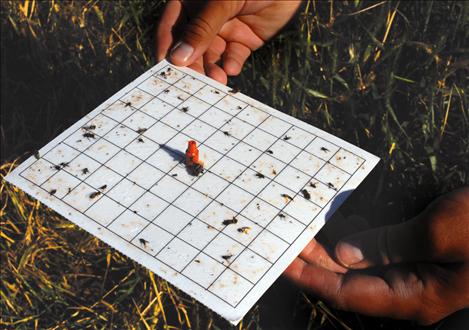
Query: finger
x: 315, y: 253
x: 406, y: 242
x: 358, y: 292
x: 164, y: 36
x: 200, y: 31
x: 234, y: 57
x: 215, y: 51
x: 215, y: 72
x: 198, y: 66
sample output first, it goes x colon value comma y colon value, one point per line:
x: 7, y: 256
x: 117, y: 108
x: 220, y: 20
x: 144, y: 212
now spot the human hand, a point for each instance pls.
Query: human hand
x: 417, y: 270
x: 204, y: 34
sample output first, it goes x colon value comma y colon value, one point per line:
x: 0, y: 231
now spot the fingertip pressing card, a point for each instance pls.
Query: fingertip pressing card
x: 213, y: 191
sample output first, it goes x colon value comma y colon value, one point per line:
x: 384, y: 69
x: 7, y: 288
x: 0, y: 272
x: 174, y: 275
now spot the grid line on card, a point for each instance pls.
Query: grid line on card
x: 190, y: 186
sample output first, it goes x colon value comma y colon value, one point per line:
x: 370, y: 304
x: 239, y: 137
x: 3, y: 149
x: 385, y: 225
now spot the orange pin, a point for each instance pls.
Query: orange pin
x: 194, y: 165
x: 192, y: 154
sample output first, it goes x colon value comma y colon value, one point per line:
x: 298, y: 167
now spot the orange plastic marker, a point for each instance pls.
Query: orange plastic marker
x: 192, y: 154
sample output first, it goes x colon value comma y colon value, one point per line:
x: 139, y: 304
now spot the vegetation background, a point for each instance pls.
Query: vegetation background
x: 389, y: 76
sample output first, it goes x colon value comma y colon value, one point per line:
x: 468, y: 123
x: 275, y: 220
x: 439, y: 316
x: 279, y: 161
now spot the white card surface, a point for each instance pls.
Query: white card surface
x: 119, y: 173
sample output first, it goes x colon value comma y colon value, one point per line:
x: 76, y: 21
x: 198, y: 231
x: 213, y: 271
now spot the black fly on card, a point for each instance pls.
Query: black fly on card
x: 312, y: 185
x: 166, y: 91
x: 234, y: 90
x: 52, y: 191
x: 174, y: 175
x: 269, y: 152
x: 127, y: 104
x: 260, y: 175
x: 140, y: 140
x: 89, y: 135
x: 141, y: 130
x: 95, y: 194
x: 36, y: 155
x: 85, y: 171
x: 330, y: 185
x: 185, y: 109
x: 230, y: 221
x: 89, y: 127
x: 103, y: 187
x: 324, y: 149
x: 226, y: 133
x: 286, y: 138
x: 281, y: 216
x: 227, y: 257
x: 306, y: 194
x: 144, y: 242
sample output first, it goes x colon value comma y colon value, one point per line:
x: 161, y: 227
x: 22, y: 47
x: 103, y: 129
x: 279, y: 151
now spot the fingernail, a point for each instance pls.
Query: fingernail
x: 349, y: 253
x: 181, y: 52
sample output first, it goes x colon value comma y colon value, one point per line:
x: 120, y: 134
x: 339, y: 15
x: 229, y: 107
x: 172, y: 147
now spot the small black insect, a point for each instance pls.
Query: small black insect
x: 239, y: 107
x: 69, y: 190
x: 216, y: 92
x: 306, y: 194
x: 64, y: 164
x: 244, y: 230
x: 128, y: 104
x: 163, y: 74
x: 140, y: 140
x: 185, y: 109
x: 269, y: 152
x: 36, y: 155
x: 103, y: 187
x: 260, y: 175
x: 258, y: 206
x: 324, y: 149
x: 180, y: 97
x: 57, y: 167
x: 89, y: 127
x: 286, y: 137
x: 166, y: 91
x: 234, y: 90
x: 330, y: 185
x: 89, y: 135
x: 282, y: 216
x: 52, y: 191
x: 144, y: 242
x: 174, y: 175
x: 230, y: 221
x: 227, y: 256
x: 95, y: 194
x: 197, y: 261
x: 287, y: 197
x: 141, y: 130
x: 312, y: 184
x: 226, y: 133
x: 85, y: 171
x: 274, y: 172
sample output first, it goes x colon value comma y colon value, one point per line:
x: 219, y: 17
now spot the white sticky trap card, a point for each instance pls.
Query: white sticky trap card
x: 220, y: 220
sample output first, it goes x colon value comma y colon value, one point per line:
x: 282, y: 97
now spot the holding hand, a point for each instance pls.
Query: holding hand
x: 417, y: 270
x: 216, y: 37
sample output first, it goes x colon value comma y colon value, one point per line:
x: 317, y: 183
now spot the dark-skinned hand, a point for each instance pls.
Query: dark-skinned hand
x: 417, y: 270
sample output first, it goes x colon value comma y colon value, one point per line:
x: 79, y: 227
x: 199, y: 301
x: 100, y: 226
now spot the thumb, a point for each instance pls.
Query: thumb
x: 199, y: 32
x: 406, y: 242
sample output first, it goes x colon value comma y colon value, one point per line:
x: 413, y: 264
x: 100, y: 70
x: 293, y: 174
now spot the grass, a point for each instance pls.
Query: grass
x: 388, y: 76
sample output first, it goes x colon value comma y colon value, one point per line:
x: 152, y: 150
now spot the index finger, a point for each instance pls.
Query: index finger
x: 164, y: 37
x: 394, y: 296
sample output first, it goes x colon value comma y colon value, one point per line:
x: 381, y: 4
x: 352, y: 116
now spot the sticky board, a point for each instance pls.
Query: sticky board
x: 270, y: 182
